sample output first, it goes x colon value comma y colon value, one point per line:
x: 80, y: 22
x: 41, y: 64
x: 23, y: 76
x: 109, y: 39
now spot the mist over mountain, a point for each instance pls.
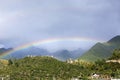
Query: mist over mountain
x: 35, y: 51
x: 30, y: 51
x: 98, y: 51
x: 3, y: 51
x: 67, y: 54
x: 34, y: 32
x: 77, y: 53
x: 62, y: 54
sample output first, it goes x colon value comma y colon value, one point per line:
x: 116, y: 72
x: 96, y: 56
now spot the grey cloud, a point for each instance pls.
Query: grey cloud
x: 40, y: 19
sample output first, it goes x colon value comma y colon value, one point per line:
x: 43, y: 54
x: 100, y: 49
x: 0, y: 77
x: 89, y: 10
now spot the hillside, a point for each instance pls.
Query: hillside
x: 48, y: 68
x: 101, y: 50
x: 42, y: 68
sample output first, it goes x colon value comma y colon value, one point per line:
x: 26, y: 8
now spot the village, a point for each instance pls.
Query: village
x: 95, y: 76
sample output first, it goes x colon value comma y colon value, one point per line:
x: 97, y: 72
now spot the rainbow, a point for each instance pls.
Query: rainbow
x: 46, y: 41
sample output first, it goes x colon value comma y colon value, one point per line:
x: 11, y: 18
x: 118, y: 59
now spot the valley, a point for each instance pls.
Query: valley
x: 102, y: 61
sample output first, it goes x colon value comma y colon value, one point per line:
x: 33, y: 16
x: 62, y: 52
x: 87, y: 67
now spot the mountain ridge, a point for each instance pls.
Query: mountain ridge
x: 62, y: 55
x: 101, y: 50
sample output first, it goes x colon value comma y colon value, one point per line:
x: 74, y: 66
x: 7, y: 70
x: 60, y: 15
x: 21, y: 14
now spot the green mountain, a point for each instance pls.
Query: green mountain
x: 101, y: 50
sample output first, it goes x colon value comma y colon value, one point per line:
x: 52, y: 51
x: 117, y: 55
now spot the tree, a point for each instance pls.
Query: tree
x: 10, y: 62
x: 115, y: 55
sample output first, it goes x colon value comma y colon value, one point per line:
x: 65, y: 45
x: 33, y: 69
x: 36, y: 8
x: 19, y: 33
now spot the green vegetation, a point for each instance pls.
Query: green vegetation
x: 111, y: 68
x: 101, y: 50
x: 35, y: 68
x: 116, y: 55
x: 48, y: 68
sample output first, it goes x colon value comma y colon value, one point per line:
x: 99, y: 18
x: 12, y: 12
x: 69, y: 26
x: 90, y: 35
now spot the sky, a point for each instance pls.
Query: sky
x: 24, y: 21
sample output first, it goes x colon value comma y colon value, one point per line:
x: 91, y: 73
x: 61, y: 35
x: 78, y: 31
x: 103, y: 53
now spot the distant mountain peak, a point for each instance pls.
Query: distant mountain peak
x: 115, y: 39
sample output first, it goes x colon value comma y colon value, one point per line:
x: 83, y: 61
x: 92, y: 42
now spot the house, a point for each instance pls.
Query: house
x: 95, y: 76
x: 70, y: 61
x: 114, y: 61
x: 74, y: 79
